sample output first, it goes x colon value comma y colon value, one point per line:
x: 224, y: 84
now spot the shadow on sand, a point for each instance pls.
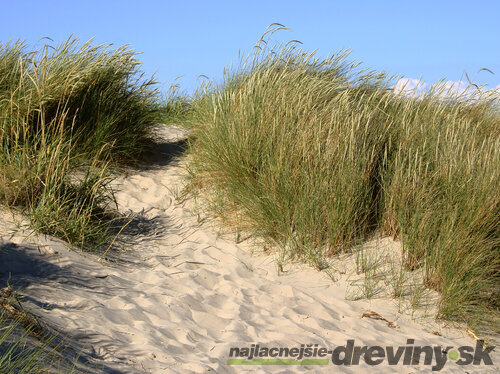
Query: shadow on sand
x: 21, y: 267
x: 162, y: 154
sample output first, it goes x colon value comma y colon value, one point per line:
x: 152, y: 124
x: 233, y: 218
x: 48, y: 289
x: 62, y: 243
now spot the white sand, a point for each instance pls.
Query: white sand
x: 182, y: 296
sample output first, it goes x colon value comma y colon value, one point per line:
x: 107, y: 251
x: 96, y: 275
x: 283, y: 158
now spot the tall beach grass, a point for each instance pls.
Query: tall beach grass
x: 317, y: 155
x: 15, y: 356
x: 67, y: 114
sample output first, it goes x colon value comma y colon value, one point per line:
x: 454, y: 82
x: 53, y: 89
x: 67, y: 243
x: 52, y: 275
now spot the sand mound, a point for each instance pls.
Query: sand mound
x: 180, y: 295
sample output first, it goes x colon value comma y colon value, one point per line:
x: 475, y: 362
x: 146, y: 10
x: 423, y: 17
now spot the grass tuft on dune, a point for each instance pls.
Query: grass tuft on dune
x: 67, y: 115
x: 317, y: 155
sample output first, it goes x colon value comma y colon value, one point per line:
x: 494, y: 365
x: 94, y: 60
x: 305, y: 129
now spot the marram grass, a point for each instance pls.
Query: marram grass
x: 66, y: 115
x: 316, y: 155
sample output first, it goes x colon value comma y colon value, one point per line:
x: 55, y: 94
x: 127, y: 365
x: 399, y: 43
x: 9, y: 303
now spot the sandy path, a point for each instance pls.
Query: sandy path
x: 183, y: 296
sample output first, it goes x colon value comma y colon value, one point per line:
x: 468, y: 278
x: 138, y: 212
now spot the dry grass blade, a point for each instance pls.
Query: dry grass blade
x: 10, y: 303
x: 374, y: 315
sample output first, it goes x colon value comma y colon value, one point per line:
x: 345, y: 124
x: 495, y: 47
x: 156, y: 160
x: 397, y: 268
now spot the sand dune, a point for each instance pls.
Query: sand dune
x: 180, y: 295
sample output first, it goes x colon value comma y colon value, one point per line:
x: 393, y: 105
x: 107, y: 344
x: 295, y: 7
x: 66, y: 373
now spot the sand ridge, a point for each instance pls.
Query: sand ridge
x: 181, y: 295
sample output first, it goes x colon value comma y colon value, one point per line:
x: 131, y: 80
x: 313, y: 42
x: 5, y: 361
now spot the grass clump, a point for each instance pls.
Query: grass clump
x: 68, y: 114
x: 25, y: 346
x: 316, y: 155
x: 441, y: 197
x: 15, y: 357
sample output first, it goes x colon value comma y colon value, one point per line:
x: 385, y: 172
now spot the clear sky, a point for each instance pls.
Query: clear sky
x: 437, y: 39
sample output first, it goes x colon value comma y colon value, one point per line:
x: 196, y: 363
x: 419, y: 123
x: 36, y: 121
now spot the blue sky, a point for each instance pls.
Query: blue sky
x: 429, y: 39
